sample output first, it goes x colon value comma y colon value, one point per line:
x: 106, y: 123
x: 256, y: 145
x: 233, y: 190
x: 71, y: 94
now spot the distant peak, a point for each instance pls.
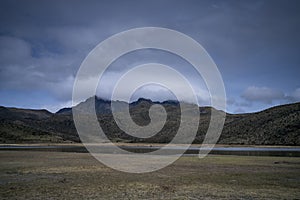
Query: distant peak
x: 144, y: 99
x: 171, y: 102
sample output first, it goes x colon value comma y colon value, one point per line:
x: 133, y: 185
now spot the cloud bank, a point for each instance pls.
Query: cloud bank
x: 257, y: 43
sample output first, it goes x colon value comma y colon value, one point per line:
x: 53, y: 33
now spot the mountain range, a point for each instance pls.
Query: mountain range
x: 278, y: 125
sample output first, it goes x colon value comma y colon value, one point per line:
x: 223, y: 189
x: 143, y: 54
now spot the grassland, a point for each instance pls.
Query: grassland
x: 58, y: 175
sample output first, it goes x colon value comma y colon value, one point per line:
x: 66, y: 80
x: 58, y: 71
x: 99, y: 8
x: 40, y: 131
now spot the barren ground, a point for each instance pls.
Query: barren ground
x: 59, y: 175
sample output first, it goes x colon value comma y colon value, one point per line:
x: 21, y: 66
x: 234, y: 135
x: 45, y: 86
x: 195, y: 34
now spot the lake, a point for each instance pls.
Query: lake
x: 227, y: 150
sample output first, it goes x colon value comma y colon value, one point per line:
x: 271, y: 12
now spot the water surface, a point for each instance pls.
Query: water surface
x: 248, y: 151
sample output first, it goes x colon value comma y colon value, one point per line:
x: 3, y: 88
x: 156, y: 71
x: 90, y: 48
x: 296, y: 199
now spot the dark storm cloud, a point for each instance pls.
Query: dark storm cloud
x: 42, y: 43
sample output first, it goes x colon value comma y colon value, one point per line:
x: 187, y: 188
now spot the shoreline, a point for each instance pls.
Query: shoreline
x: 122, y: 144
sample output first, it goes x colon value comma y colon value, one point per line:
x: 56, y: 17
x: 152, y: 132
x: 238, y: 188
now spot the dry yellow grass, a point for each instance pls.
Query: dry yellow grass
x: 58, y: 175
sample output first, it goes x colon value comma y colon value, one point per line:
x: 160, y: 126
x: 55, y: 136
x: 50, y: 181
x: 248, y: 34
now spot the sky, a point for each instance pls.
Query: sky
x: 255, y: 45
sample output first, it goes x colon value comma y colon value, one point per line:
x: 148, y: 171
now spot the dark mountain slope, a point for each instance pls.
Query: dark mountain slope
x: 24, y: 126
x: 275, y: 126
x: 278, y: 125
x: 18, y: 113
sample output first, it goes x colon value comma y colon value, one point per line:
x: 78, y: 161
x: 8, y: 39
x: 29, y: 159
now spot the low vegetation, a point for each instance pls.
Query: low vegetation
x: 58, y: 175
x: 275, y: 126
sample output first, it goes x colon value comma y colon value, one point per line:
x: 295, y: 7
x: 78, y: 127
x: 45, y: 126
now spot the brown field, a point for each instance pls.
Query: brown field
x: 58, y: 175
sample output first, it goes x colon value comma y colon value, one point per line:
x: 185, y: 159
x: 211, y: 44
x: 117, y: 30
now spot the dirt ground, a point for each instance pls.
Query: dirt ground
x: 59, y: 175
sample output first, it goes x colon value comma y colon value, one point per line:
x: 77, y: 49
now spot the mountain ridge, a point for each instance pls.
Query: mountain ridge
x: 279, y: 125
